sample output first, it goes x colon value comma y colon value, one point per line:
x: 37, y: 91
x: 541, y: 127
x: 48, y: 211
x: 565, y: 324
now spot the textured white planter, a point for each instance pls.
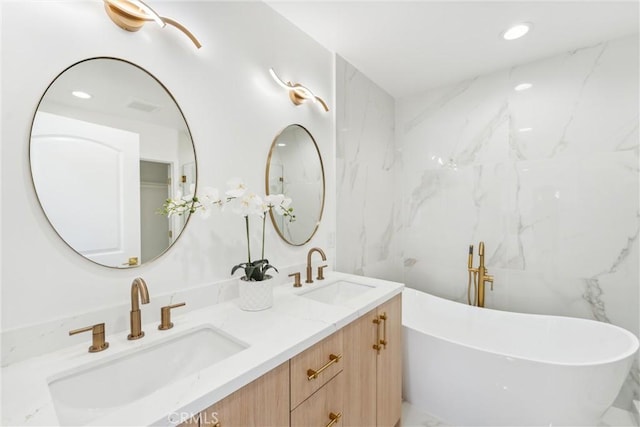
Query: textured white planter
x: 256, y: 296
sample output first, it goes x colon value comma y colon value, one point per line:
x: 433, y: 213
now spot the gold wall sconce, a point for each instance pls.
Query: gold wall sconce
x: 298, y: 93
x: 131, y: 15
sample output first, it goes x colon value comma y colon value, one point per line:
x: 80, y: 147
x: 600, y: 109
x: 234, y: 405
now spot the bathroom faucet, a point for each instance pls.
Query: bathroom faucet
x: 140, y: 292
x: 480, y: 277
x: 309, y: 269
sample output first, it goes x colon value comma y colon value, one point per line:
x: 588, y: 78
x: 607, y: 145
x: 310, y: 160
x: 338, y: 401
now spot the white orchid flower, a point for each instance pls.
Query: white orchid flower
x: 209, y: 196
x: 205, y: 213
x: 270, y: 201
x: 274, y: 199
x: 237, y: 188
x: 250, y: 204
x: 283, y: 207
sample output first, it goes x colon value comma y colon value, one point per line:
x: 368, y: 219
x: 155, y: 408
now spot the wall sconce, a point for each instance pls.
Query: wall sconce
x: 131, y: 15
x: 298, y: 93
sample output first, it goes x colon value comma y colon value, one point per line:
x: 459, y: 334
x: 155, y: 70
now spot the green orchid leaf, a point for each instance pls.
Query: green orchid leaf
x: 268, y: 267
x: 236, y: 267
x: 250, y: 272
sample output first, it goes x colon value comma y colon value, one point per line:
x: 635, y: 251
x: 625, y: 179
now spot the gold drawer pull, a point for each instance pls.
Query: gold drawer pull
x: 312, y: 375
x: 334, y: 418
x: 377, y: 347
x: 384, y: 341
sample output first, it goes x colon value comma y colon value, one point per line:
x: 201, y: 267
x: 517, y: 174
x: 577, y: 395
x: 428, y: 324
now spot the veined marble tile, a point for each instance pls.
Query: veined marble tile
x: 577, y: 217
x: 367, y: 196
x: 557, y: 205
x: 451, y: 209
x: 457, y: 126
x: 582, y: 102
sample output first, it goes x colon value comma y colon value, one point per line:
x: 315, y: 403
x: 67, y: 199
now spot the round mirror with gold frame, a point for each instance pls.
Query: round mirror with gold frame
x: 295, y: 169
x: 109, y: 144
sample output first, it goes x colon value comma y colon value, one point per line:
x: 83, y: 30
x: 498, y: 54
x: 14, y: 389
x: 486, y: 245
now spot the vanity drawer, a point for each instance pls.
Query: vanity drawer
x: 323, y: 408
x: 324, y: 358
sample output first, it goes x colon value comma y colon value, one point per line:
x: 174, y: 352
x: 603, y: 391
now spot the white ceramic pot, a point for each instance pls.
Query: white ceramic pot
x: 256, y: 296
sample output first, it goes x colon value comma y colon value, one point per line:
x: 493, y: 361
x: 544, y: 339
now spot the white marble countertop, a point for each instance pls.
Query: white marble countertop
x: 273, y: 336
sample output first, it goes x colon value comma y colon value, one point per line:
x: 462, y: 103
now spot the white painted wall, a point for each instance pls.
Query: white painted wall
x: 232, y: 106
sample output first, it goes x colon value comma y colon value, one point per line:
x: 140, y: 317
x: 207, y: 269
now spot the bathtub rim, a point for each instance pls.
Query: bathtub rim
x: 633, y: 350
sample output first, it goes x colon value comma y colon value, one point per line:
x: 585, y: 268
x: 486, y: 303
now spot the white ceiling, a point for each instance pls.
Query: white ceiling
x: 119, y: 89
x: 411, y: 46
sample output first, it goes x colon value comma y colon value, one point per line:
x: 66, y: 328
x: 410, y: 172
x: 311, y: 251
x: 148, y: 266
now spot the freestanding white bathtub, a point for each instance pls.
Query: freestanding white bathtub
x: 477, y: 366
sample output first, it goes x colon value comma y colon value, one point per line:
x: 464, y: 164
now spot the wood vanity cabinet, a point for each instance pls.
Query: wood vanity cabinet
x: 340, y: 381
x: 317, y: 384
x: 373, y: 376
x: 263, y: 402
x: 323, y: 408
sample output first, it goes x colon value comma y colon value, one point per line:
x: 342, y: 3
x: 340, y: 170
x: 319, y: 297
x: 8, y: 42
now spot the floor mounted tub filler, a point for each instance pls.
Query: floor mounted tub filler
x: 476, y: 366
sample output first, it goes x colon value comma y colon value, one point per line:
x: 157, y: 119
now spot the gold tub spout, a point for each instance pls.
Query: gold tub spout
x: 479, y: 275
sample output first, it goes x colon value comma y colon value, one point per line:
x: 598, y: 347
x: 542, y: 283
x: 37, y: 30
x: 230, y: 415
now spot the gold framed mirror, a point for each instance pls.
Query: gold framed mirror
x: 109, y: 144
x: 295, y: 169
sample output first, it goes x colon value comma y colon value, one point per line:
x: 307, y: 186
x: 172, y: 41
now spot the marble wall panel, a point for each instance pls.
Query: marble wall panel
x: 367, y: 193
x: 548, y: 178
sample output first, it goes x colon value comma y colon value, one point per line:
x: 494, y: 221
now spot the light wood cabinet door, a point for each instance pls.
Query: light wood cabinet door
x: 389, y: 369
x: 264, y: 402
x: 360, y: 371
x: 324, y: 408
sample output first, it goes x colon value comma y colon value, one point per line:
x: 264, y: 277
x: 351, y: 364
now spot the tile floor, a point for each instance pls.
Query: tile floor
x: 413, y: 417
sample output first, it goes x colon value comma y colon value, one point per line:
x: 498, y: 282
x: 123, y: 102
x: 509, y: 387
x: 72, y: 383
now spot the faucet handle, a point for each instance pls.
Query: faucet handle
x: 98, y: 343
x: 489, y: 278
x: 165, y: 316
x: 321, y: 272
x: 296, y: 279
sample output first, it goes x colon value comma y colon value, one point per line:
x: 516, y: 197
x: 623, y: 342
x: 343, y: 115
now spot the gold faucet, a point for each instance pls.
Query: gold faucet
x: 480, y: 277
x: 140, y: 292
x: 309, y: 269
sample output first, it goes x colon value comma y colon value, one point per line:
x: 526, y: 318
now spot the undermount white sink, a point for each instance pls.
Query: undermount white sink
x: 337, y: 293
x: 87, y: 393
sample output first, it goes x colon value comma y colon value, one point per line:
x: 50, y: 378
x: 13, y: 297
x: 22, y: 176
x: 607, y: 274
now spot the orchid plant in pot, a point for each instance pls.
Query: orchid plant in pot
x: 250, y: 204
x: 254, y: 287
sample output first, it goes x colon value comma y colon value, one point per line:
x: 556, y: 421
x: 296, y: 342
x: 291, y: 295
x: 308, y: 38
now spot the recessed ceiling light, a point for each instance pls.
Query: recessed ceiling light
x: 516, y: 31
x: 525, y: 129
x: 80, y: 94
x: 523, y: 86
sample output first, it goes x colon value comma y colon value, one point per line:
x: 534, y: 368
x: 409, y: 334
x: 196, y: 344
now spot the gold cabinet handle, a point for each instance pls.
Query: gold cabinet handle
x: 165, y: 316
x: 334, y: 418
x: 312, y: 375
x: 98, y: 343
x: 377, y: 347
x: 384, y: 341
